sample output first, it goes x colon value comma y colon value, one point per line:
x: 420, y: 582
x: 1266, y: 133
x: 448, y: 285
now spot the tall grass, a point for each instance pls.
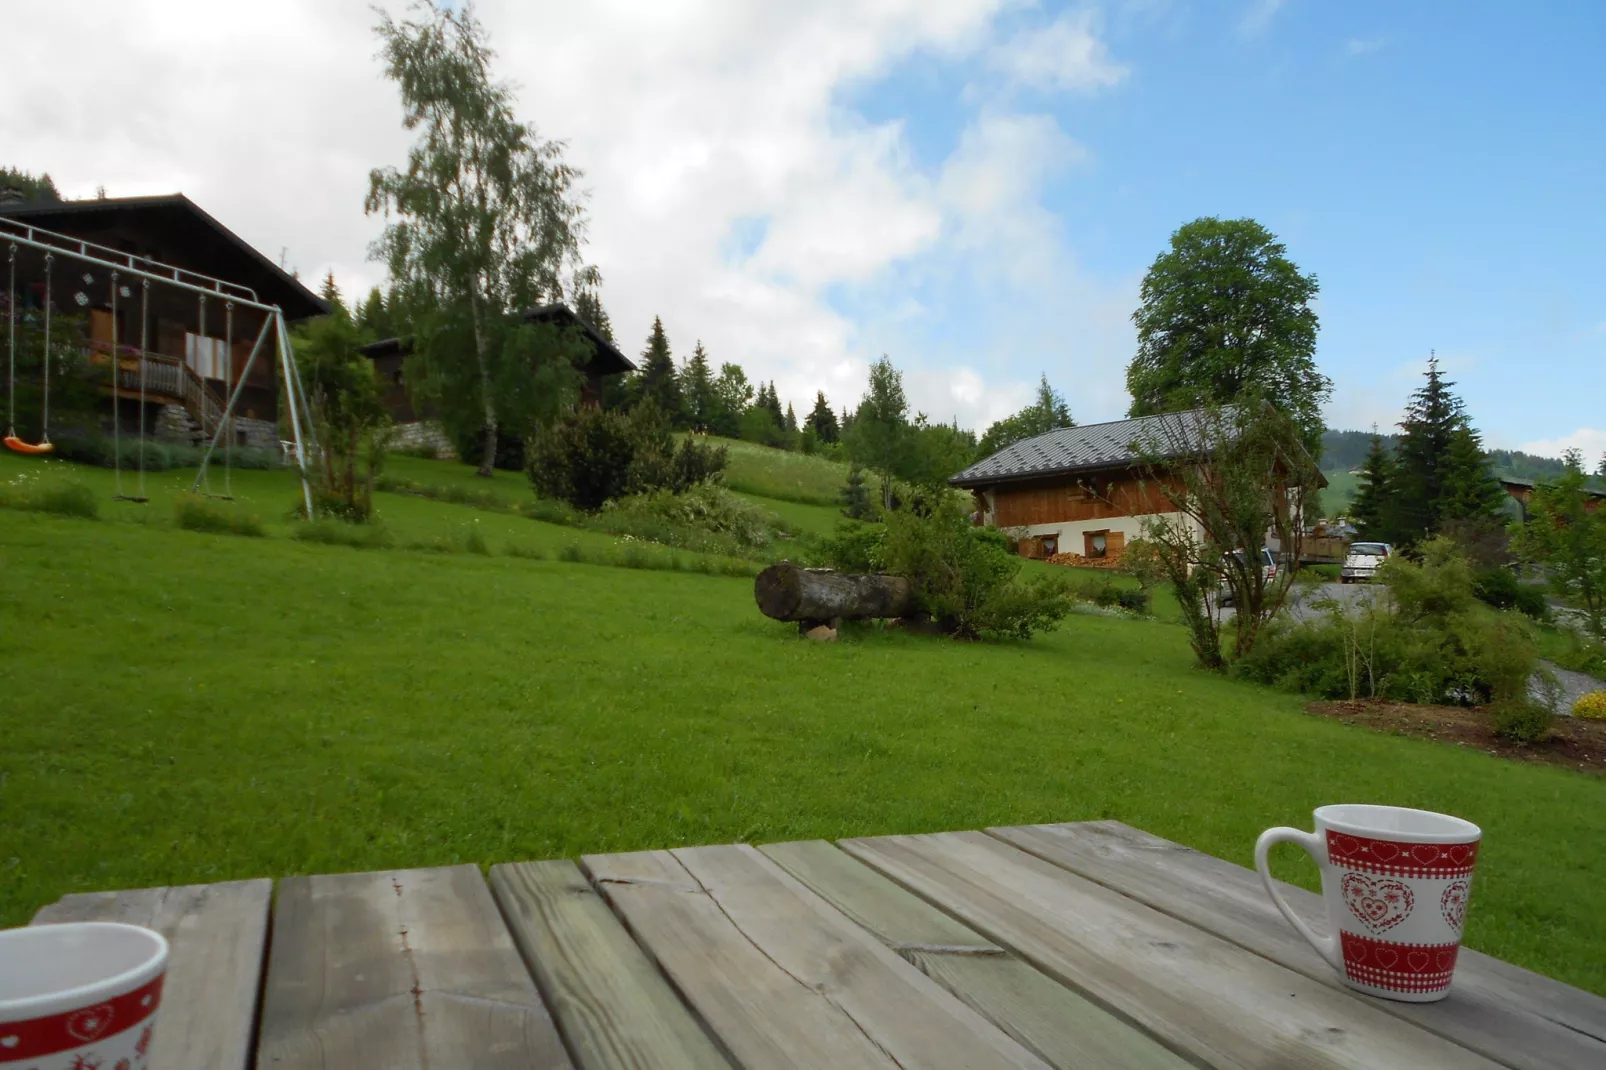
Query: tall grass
x: 194, y: 513
x: 789, y: 477
x: 370, y: 536
x: 62, y: 497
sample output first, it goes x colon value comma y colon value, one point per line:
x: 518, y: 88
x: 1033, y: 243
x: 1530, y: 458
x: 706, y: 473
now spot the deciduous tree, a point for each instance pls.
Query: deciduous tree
x: 1226, y: 316
x: 483, y: 222
x: 1566, y: 535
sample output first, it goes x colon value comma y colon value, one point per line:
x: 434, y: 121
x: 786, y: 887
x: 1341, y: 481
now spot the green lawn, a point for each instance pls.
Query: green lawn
x: 185, y: 707
x: 773, y: 473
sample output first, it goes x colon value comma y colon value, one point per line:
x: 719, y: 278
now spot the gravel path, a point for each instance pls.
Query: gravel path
x: 1574, y: 685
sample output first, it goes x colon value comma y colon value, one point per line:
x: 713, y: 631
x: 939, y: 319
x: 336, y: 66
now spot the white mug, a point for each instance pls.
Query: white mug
x: 1396, y: 883
x: 78, y: 995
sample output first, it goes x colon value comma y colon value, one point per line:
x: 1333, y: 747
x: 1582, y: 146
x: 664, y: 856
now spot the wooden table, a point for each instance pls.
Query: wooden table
x: 1086, y: 945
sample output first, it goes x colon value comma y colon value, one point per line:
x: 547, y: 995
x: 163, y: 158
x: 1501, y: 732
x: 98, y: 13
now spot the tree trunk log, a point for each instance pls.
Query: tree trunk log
x: 787, y: 592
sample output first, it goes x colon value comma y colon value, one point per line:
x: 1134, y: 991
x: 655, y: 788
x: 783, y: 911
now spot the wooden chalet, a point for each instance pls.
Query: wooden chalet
x: 416, y: 421
x: 1522, y: 492
x: 189, y: 355
x: 1080, y: 489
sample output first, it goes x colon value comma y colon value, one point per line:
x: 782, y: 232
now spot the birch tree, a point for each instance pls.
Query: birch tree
x: 483, y: 222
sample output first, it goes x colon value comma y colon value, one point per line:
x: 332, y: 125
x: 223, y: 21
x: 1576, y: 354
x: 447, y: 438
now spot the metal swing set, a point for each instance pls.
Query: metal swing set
x: 122, y: 270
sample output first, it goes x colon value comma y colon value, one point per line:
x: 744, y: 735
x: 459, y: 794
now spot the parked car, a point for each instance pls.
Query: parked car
x: 1362, y: 561
x: 1268, y: 572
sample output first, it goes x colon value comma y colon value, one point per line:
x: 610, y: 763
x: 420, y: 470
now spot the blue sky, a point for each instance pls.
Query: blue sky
x: 972, y: 187
x: 1440, y: 166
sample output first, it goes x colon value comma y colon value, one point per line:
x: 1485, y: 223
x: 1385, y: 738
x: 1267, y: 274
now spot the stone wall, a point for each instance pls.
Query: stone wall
x: 421, y: 435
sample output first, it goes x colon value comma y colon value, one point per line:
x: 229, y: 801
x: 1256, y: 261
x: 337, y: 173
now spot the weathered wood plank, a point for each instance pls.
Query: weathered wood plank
x: 1222, y: 1005
x: 1521, y: 1020
x: 612, y: 1005
x: 407, y: 969
x: 217, y: 935
x: 1056, y: 1023
x: 781, y: 977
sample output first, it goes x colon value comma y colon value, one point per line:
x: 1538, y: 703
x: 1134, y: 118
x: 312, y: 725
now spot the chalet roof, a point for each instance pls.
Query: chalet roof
x: 1087, y: 448
x: 173, y: 229
x: 1529, y: 484
x: 606, y: 358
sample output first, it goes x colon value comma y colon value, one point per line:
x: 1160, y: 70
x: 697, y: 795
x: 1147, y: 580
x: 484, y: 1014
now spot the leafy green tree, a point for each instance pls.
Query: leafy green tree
x: 1047, y: 412
x: 1566, y: 534
x: 935, y: 452
x: 348, y: 411
x: 657, y: 379
x: 1226, y: 316
x: 732, y: 396
x: 697, y: 382
x: 1373, y: 511
x: 879, y: 439
x: 823, y: 420
x: 482, y: 224
x: 1440, y: 472
x: 32, y: 187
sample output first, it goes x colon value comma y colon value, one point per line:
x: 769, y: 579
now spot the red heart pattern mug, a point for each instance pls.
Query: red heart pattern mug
x: 1396, y: 884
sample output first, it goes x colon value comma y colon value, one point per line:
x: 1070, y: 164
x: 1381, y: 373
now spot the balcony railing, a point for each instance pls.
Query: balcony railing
x: 166, y: 376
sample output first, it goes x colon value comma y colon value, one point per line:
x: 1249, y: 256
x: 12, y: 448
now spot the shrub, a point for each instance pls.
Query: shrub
x: 550, y: 511
x: 194, y: 513
x: 572, y: 553
x: 1520, y: 721
x: 855, y: 547
x: 702, y: 507
x: 1500, y: 588
x: 1591, y: 706
x: 474, y: 540
x: 370, y: 536
x: 1436, y: 643
x: 592, y: 457
x: 964, y: 577
x: 59, y: 497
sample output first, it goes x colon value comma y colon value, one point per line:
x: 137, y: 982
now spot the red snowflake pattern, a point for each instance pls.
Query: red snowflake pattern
x: 82, y: 1062
x: 144, y: 1042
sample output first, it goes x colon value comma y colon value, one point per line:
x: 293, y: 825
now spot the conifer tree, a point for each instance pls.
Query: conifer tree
x: 1047, y: 412
x: 330, y: 292
x: 791, y: 418
x: 697, y: 388
x: 1441, y: 472
x: 658, y: 380
x: 823, y: 420
x: 373, y: 318
x: 732, y: 395
x: 588, y: 306
x: 1373, y: 511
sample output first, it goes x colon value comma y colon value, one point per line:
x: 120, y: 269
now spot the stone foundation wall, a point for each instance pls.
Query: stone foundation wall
x: 423, y: 435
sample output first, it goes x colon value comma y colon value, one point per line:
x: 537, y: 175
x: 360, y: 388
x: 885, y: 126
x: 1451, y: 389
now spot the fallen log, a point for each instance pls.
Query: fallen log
x: 787, y: 592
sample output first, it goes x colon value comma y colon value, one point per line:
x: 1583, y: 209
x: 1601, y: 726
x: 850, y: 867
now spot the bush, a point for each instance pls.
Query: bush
x: 194, y: 513
x: 59, y: 497
x: 1436, y: 643
x: 1321, y: 573
x: 1591, y: 707
x: 964, y: 577
x: 1500, y: 588
x: 1520, y: 721
x: 370, y: 536
x: 585, y: 459
x: 474, y: 540
x: 703, y: 508
x: 550, y: 511
x: 103, y: 451
x: 1133, y: 599
x: 855, y: 547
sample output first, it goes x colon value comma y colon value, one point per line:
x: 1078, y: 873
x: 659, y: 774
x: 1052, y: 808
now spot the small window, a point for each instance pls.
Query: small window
x: 1051, y: 545
x: 1096, y: 543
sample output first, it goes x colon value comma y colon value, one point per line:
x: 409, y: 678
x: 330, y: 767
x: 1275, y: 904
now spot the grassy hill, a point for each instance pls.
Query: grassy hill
x: 192, y: 707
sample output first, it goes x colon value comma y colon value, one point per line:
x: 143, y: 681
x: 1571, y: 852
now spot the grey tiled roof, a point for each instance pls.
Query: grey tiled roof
x: 1077, y: 449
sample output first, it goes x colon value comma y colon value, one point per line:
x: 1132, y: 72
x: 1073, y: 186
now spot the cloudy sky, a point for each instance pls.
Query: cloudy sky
x: 973, y: 187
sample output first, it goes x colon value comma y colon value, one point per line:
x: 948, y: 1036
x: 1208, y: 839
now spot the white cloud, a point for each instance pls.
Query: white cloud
x: 695, y: 121
x: 1359, y: 46
x: 1257, y: 19
x: 1590, y: 440
x: 1065, y: 55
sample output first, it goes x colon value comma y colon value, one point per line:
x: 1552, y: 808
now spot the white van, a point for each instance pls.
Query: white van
x: 1362, y: 561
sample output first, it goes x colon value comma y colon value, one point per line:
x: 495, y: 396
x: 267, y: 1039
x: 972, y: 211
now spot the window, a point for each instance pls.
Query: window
x: 207, y: 357
x: 1051, y: 545
x: 1095, y: 543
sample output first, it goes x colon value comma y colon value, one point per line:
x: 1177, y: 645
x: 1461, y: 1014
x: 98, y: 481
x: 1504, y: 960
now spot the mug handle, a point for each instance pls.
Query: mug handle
x: 1326, y: 947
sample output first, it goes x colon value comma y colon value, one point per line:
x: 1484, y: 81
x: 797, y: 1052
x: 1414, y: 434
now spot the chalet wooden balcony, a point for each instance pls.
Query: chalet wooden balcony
x: 166, y: 379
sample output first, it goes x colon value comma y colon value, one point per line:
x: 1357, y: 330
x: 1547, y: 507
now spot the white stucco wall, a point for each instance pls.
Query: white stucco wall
x: 1071, y: 532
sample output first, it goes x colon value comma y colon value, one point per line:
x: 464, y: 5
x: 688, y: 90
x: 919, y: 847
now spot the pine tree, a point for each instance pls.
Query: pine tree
x: 588, y: 306
x: 791, y: 418
x: 697, y: 386
x: 658, y: 380
x: 330, y: 292
x: 770, y: 401
x: 1441, y: 472
x: 823, y: 420
x: 373, y: 318
x: 1471, y: 491
x: 1373, y: 511
x: 855, y: 496
x: 1047, y: 412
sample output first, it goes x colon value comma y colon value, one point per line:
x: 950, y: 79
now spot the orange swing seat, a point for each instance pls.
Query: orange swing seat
x: 16, y: 445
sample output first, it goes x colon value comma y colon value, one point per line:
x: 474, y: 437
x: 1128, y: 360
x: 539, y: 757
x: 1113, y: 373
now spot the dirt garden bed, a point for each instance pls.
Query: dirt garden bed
x: 1573, y: 744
